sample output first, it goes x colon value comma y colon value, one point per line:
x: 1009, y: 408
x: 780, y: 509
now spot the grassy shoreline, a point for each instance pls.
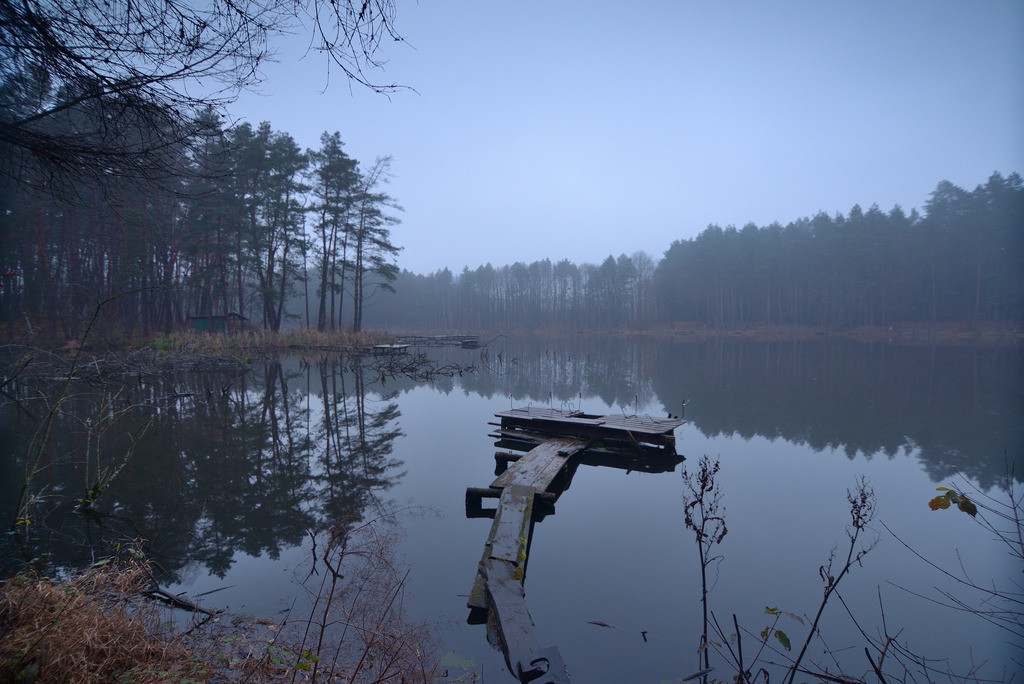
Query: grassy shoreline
x: 103, y: 624
x: 266, y: 341
x: 258, y: 341
x: 904, y: 333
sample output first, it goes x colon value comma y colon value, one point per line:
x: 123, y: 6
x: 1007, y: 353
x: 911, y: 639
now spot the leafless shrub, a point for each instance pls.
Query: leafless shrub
x: 862, y: 512
x: 705, y: 517
x: 357, y: 629
x: 998, y: 601
x: 103, y: 89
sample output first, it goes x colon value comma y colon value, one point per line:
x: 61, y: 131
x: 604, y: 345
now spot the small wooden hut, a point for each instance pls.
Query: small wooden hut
x: 225, y: 323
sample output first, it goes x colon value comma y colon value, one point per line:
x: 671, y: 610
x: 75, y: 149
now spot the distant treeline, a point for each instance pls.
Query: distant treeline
x: 253, y: 224
x: 961, y: 260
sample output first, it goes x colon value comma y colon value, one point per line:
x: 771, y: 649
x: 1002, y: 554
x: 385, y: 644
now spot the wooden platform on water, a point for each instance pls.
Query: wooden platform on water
x: 556, y: 443
x: 390, y: 349
x: 464, y: 341
x: 621, y: 432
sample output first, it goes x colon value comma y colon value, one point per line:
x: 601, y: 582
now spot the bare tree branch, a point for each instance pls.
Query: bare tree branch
x: 111, y: 88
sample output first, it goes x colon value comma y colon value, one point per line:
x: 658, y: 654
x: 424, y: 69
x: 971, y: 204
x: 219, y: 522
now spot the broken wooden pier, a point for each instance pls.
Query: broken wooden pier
x: 556, y: 442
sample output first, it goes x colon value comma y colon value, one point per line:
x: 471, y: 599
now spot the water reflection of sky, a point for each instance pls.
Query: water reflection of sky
x: 617, y: 551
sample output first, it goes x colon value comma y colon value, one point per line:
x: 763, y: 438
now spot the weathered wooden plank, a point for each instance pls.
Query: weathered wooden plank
x: 540, y: 466
x: 508, y: 540
x: 542, y: 418
x: 531, y: 412
x: 644, y: 423
x: 478, y: 592
x: 510, y: 532
x: 508, y: 601
x: 558, y: 430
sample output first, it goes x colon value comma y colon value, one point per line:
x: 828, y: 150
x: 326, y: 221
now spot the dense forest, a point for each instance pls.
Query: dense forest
x: 245, y: 224
x: 121, y: 184
x: 256, y: 226
x: 961, y: 260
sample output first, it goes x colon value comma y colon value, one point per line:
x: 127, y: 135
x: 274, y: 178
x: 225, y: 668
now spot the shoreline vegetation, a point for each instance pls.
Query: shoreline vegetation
x: 904, y: 333
x: 112, y: 622
x: 263, y: 342
x: 241, y: 263
x: 97, y: 625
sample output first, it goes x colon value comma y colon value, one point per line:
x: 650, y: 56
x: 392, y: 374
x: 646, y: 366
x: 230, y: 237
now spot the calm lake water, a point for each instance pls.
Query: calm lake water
x: 229, y: 470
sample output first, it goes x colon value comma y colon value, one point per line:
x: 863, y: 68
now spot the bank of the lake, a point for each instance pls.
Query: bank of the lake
x: 251, y: 340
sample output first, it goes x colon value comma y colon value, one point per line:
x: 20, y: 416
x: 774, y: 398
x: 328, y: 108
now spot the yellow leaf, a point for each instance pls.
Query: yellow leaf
x: 938, y: 502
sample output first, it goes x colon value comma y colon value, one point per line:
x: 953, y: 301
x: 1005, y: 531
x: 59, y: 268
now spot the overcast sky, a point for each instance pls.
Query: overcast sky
x: 582, y: 129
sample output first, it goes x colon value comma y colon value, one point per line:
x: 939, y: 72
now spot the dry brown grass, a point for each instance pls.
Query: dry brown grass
x: 257, y: 340
x: 87, y: 629
x: 100, y: 626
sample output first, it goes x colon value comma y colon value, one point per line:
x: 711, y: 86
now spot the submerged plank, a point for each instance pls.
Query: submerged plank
x: 517, y: 634
x: 508, y: 601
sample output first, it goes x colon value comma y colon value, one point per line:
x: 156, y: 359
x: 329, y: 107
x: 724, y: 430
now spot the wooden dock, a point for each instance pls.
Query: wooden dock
x: 616, y: 432
x: 390, y: 349
x: 464, y: 341
x: 526, y: 488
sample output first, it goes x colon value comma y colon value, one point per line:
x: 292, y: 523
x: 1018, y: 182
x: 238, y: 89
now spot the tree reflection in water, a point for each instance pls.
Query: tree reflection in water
x: 355, y: 442
x: 957, y: 408
x: 238, y: 460
x: 231, y: 462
